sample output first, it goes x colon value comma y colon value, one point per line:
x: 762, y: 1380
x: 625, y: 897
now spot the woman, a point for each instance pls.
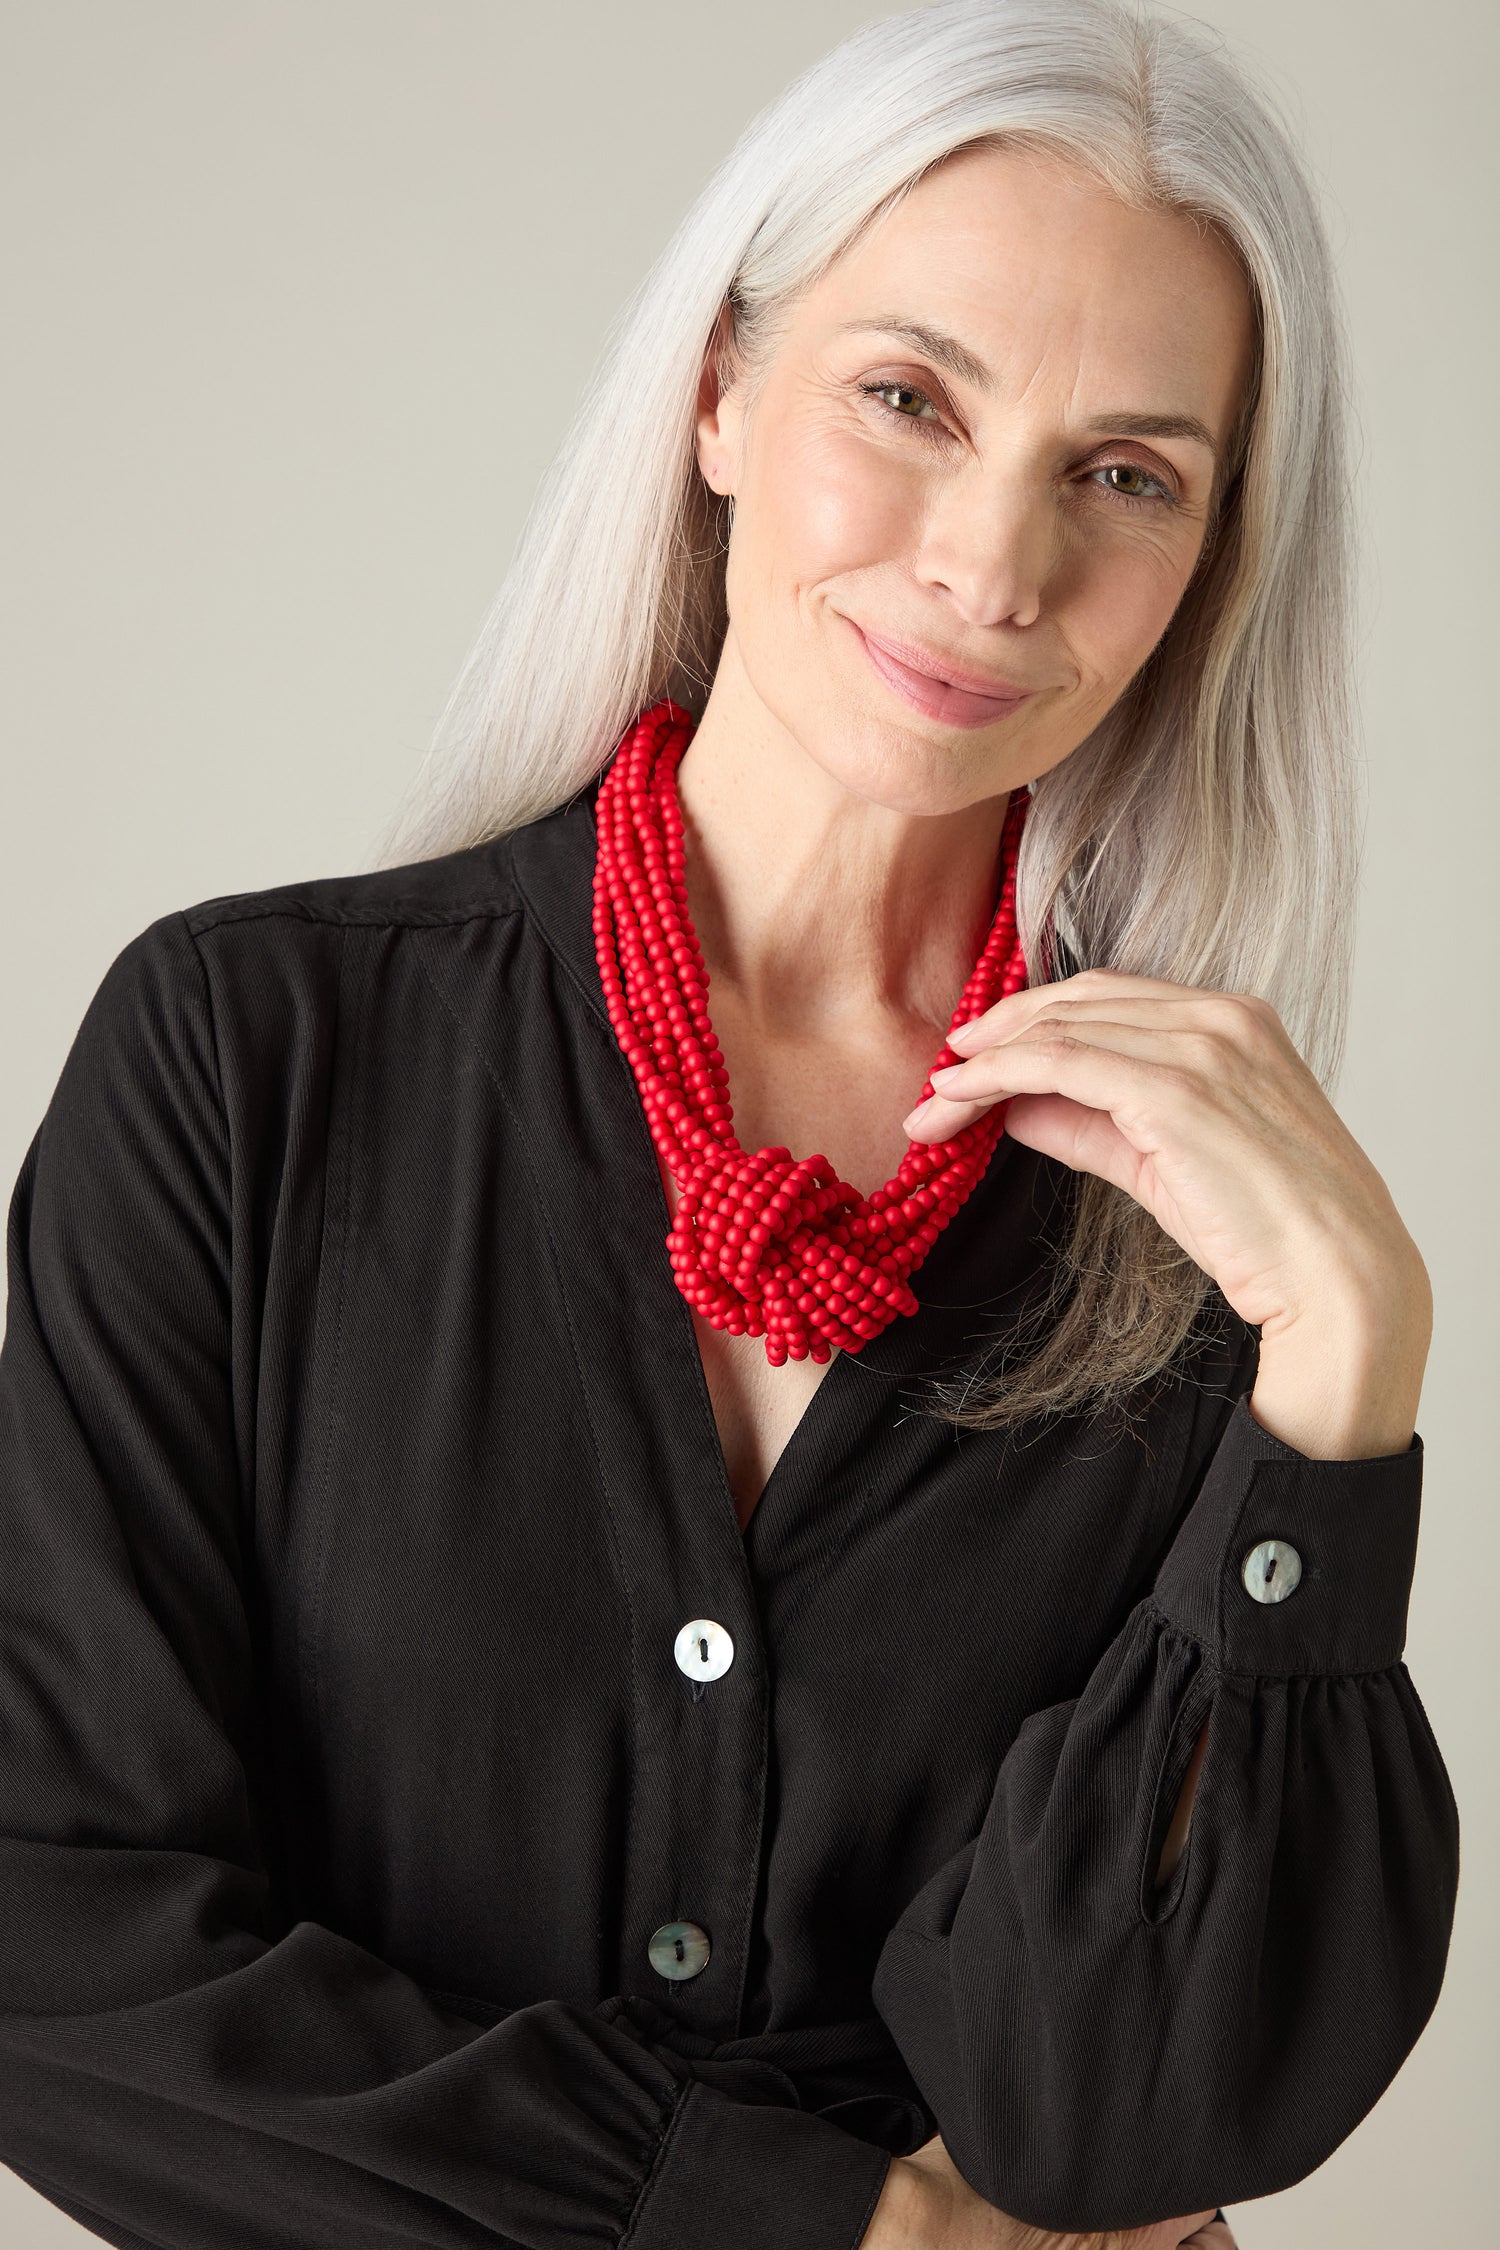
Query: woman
x: 612, y: 1635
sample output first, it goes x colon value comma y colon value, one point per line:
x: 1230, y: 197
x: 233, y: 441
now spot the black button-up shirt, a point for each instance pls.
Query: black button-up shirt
x: 359, y: 1476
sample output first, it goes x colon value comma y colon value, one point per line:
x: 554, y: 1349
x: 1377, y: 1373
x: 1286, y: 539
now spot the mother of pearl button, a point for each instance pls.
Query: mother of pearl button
x: 1271, y: 1571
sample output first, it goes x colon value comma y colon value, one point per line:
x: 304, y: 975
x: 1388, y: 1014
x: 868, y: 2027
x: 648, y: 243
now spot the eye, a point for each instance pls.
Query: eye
x: 1160, y: 494
x: 929, y: 421
x: 882, y: 392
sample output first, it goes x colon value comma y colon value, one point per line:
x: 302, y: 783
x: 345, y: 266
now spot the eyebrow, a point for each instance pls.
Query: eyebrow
x: 936, y: 344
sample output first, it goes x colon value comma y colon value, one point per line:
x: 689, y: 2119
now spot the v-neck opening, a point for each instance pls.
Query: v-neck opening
x: 797, y: 1439
x: 805, y: 1438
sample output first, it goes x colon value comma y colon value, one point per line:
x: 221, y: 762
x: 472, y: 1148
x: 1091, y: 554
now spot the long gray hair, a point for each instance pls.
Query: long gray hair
x: 1206, y: 831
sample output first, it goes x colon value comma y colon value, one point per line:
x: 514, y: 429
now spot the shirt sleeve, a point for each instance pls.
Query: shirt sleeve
x: 176, y: 2069
x: 1103, y: 2054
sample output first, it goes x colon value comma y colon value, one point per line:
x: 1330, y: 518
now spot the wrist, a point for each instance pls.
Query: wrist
x: 1342, y: 1380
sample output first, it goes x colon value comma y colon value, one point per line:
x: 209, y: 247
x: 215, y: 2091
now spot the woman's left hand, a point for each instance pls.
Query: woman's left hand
x: 1198, y: 1105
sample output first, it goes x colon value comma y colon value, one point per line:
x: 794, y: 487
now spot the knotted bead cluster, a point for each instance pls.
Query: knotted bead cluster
x: 762, y: 1244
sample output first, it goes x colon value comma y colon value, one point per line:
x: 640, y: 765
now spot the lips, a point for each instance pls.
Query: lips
x: 964, y: 702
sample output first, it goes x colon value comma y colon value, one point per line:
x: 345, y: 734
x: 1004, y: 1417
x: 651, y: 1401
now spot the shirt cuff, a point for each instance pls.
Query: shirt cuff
x: 1352, y: 1526
x: 751, y: 2176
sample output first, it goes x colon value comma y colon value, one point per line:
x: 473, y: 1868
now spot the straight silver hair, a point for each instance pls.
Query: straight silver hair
x: 1207, y: 830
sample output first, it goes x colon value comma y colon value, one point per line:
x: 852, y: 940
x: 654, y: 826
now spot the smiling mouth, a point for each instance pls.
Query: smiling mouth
x: 953, y: 702
x: 933, y: 667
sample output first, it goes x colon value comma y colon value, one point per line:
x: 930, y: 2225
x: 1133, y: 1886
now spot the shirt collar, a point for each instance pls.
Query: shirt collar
x: 992, y: 1254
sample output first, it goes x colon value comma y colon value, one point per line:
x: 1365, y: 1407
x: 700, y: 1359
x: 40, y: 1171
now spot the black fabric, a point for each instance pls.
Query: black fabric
x: 358, y: 1473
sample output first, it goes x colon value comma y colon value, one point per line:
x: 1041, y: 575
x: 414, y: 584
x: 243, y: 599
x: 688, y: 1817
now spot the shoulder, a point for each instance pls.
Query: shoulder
x: 262, y: 973
x: 456, y: 886
x: 278, y: 963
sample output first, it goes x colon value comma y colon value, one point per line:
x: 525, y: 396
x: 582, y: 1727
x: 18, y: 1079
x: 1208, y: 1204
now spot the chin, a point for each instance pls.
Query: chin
x: 907, y: 771
x: 914, y: 766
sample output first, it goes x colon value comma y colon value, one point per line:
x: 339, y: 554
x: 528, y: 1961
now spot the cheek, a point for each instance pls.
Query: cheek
x: 830, y: 502
x: 1122, y: 600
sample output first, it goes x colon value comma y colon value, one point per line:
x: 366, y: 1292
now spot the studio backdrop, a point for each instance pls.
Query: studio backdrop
x: 299, y: 299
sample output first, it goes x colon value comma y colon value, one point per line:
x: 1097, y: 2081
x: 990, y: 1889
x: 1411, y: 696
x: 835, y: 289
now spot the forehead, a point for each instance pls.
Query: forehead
x: 1041, y: 269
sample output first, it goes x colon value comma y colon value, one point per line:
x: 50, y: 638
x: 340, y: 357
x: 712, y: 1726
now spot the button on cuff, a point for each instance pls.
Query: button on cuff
x: 1271, y: 1571
x: 1352, y: 1528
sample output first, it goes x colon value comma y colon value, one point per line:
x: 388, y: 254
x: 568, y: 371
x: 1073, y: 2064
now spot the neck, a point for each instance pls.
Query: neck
x: 816, y: 909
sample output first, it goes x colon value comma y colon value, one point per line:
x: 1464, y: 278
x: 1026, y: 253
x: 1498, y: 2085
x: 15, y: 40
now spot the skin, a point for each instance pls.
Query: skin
x: 842, y: 846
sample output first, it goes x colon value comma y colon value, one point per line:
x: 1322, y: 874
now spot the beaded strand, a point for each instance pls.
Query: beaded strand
x: 762, y: 1244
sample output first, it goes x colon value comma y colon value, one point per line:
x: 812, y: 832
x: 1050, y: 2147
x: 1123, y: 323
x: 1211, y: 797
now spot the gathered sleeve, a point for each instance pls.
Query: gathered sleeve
x: 176, y: 2068
x: 1101, y: 2053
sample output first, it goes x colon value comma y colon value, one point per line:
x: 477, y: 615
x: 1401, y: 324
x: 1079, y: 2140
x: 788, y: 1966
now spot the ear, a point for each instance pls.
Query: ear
x: 718, y: 418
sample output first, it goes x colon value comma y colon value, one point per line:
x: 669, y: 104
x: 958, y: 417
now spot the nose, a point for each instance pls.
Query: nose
x: 990, y: 543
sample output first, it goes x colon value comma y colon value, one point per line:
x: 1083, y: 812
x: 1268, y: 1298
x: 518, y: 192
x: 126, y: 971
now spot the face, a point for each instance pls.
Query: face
x: 973, y: 453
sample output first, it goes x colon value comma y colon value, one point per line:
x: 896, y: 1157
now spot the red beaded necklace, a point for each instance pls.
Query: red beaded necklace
x: 760, y: 1244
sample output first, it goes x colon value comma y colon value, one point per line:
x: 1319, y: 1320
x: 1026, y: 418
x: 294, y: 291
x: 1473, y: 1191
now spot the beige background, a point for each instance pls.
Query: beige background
x: 298, y: 299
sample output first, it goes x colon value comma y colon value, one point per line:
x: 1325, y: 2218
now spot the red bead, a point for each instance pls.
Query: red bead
x: 838, y: 1275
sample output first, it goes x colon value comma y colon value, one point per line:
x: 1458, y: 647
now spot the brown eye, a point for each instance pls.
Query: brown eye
x: 882, y: 393
x: 1153, y: 498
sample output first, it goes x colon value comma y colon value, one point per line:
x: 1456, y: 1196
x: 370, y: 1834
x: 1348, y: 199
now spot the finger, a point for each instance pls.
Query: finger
x: 1086, y: 1140
x: 979, y: 1075
x: 1203, y: 2229
x: 1120, y: 1068
x: 1104, y: 987
x: 1230, y: 1015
